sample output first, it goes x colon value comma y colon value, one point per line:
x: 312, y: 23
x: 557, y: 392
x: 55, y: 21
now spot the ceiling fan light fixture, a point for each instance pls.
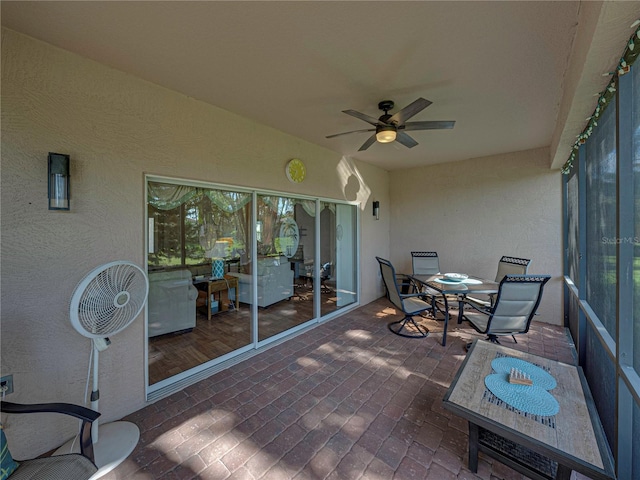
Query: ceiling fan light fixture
x: 385, y: 134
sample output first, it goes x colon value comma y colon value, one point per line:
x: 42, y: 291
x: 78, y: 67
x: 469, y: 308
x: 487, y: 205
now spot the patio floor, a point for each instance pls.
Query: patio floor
x: 345, y: 400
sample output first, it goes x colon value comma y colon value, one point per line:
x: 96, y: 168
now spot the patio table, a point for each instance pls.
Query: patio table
x: 471, y: 285
x: 542, y: 445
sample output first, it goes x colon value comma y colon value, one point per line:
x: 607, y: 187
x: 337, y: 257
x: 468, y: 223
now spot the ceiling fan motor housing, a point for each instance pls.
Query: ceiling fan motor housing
x: 385, y: 119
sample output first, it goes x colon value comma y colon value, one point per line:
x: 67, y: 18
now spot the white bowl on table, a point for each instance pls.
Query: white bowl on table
x: 456, y: 277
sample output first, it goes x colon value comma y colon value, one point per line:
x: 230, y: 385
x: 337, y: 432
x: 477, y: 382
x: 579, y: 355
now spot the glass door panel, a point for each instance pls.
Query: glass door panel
x: 198, y: 242
x: 283, y: 302
x: 338, y: 272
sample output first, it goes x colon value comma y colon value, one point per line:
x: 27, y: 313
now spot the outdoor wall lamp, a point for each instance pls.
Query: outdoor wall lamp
x: 58, y: 169
x: 376, y: 210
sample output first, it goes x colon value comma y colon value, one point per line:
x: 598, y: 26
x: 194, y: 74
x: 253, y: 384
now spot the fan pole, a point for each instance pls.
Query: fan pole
x: 95, y: 393
x: 117, y: 439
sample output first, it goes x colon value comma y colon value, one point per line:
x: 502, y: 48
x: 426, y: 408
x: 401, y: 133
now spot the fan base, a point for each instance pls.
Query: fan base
x: 386, y: 105
x: 116, y: 441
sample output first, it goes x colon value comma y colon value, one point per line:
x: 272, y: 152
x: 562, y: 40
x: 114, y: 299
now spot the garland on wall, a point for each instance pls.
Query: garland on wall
x: 629, y: 56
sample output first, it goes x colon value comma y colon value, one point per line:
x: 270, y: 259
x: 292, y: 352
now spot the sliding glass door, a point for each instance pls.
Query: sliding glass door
x: 233, y: 270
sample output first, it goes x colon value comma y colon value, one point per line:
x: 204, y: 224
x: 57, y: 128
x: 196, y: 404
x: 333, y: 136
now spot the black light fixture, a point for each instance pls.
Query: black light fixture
x: 58, y: 170
x: 376, y: 209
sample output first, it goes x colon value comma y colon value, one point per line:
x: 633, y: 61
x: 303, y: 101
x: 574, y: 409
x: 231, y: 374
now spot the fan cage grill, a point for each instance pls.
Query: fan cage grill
x: 111, y: 298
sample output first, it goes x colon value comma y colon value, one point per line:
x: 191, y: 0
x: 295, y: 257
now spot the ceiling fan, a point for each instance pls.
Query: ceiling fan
x: 393, y: 127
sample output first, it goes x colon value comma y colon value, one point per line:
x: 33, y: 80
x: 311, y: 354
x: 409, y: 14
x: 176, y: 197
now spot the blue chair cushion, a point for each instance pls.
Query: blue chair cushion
x: 7, y: 463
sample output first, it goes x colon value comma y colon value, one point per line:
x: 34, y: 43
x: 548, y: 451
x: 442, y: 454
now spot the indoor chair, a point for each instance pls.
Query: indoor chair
x: 73, y: 466
x: 409, y: 304
x: 506, y: 266
x: 325, y: 275
x: 516, y: 303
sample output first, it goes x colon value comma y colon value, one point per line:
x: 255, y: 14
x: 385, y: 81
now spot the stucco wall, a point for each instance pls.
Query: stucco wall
x: 117, y: 128
x: 475, y: 211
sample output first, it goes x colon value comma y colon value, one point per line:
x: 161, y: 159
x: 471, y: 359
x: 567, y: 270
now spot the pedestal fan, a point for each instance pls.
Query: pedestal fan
x: 104, y: 303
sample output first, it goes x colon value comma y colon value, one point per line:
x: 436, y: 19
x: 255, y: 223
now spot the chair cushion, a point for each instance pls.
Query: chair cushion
x: 478, y: 319
x: 7, y: 463
x: 58, y: 467
x: 414, y: 305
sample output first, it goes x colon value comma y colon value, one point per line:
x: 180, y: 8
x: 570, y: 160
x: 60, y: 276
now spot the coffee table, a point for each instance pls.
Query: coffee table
x: 541, y: 447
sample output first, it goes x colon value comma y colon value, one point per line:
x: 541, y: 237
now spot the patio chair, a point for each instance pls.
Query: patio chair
x: 428, y: 263
x: 425, y: 263
x: 409, y: 304
x: 506, y: 266
x: 422, y: 263
x: 73, y: 466
x: 516, y: 303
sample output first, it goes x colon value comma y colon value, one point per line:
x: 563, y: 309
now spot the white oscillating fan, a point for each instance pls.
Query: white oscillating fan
x: 104, y: 303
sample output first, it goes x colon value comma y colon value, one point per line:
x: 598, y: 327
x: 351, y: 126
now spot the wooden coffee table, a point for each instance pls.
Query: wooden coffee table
x: 541, y: 447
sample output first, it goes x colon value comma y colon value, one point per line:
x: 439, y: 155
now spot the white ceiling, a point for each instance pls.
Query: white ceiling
x: 497, y: 68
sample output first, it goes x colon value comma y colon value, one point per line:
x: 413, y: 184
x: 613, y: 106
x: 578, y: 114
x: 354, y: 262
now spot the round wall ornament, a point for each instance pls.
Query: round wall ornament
x: 296, y: 170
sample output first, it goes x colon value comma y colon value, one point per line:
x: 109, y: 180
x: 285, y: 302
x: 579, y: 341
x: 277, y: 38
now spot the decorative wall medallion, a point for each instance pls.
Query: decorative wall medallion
x: 289, y: 237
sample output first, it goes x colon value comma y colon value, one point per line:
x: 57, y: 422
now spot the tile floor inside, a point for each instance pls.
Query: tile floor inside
x: 345, y: 400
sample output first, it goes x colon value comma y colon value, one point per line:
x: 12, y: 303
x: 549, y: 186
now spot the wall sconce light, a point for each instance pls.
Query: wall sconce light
x: 376, y: 210
x: 58, y: 170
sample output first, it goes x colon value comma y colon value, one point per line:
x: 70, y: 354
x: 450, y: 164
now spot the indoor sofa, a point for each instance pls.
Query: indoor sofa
x: 172, y: 302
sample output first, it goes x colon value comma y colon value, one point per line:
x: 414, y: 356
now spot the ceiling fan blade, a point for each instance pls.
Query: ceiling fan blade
x: 353, y: 131
x: 428, y: 125
x: 409, y: 111
x: 362, y: 116
x: 405, y: 140
x: 370, y: 141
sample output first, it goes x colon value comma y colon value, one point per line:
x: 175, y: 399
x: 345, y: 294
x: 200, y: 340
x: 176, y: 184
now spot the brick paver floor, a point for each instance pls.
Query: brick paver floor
x: 345, y: 400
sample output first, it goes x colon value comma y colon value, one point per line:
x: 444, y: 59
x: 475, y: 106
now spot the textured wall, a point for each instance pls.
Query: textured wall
x: 117, y: 128
x: 475, y: 211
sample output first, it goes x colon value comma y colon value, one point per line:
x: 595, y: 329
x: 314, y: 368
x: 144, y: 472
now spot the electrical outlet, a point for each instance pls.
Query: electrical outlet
x: 6, y: 385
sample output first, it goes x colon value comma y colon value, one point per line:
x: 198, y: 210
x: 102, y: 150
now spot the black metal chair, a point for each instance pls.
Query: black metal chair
x: 73, y: 466
x: 516, y: 303
x: 409, y: 304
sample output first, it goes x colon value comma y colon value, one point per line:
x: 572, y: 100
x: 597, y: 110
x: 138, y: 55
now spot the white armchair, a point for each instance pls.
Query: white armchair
x: 275, y: 281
